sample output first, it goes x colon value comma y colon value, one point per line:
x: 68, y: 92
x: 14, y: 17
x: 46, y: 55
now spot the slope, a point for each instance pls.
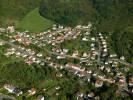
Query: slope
x: 33, y: 22
x: 11, y: 11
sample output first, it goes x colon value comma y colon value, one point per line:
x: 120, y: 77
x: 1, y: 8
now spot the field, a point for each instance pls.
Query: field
x: 33, y: 22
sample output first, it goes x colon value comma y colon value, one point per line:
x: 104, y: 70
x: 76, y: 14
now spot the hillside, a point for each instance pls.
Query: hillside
x: 12, y: 11
x: 68, y: 12
x: 34, y: 22
x: 108, y: 15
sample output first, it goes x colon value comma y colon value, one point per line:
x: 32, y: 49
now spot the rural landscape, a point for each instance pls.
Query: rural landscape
x: 66, y: 50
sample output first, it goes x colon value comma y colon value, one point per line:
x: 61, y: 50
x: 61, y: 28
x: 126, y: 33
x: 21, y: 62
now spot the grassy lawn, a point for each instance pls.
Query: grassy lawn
x: 48, y: 84
x: 34, y: 22
x: 76, y: 44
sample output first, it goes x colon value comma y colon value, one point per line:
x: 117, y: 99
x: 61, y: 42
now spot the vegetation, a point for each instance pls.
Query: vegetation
x: 123, y: 44
x: 12, y: 11
x: 34, y: 22
x: 67, y: 12
x: 109, y: 14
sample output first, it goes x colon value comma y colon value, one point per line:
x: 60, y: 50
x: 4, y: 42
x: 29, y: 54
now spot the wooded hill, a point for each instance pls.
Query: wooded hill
x: 14, y: 10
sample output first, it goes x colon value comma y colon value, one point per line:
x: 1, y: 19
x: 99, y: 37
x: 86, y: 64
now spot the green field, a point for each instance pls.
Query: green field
x: 33, y: 22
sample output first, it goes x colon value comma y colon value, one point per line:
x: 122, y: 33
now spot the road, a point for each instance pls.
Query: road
x: 67, y: 56
x: 99, y: 52
x: 6, y: 97
x: 84, y: 73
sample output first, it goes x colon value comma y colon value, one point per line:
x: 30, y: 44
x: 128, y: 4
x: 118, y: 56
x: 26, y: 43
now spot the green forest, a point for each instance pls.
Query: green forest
x: 12, y: 11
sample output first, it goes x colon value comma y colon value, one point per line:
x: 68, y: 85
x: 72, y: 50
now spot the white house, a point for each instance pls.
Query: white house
x: 10, y: 29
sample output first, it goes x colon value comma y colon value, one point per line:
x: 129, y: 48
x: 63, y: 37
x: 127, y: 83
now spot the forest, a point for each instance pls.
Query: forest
x: 12, y: 11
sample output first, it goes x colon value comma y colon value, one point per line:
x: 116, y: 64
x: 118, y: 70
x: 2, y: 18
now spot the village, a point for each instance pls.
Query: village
x: 77, y: 50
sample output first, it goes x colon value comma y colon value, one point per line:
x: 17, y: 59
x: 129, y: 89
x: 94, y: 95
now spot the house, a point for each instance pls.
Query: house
x: 89, y: 72
x: 42, y: 63
x: 121, y: 80
x: 105, y: 50
x: 57, y: 88
x: 54, y: 28
x: 108, y: 69
x: 85, y: 39
x: 76, y: 72
x: 85, y: 27
x: 12, y: 40
x: 130, y: 81
x: 32, y: 91
x: 65, y: 50
x: 38, y: 61
x: 104, y: 43
x: 39, y: 55
x: 93, y: 58
x: 75, y: 53
x: 17, y: 53
x: 57, y: 94
x: 44, y: 89
x: 61, y: 57
x: 100, y: 34
x: 78, y: 26
x: 10, y: 29
x: 2, y: 43
x: 92, y: 45
x: 2, y: 30
x: 29, y: 61
x: 40, y: 97
x: 88, y: 79
x: 104, y: 54
x: 18, y: 38
x: 93, y: 49
x: 80, y: 95
x: 122, y: 58
x: 101, y: 37
x: 85, y: 54
x: 106, y: 63
x: 102, y: 68
x: 54, y: 25
x: 59, y: 75
x: 26, y: 42
x: 93, y: 39
x: 113, y: 55
x: 12, y: 89
x: 61, y: 27
x: 87, y: 33
x: 105, y: 46
x: 91, y: 95
x: 24, y: 55
x: 89, y: 25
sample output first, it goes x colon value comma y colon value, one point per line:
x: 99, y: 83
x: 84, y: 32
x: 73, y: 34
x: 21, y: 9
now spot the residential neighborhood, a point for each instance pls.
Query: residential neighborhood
x: 77, y: 50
